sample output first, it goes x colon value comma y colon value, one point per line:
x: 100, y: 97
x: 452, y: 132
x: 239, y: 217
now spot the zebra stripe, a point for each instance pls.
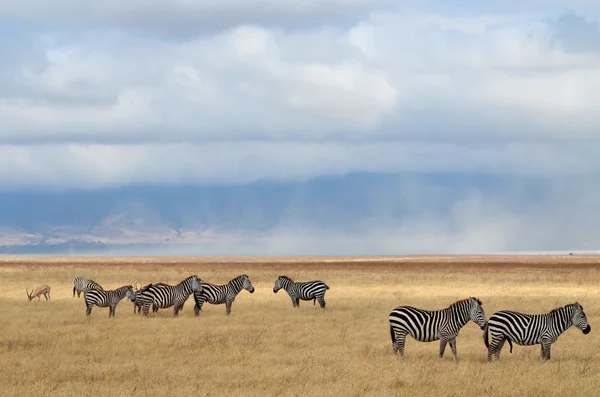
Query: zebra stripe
x: 164, y: 295
x: 533, y: 329
x: 219, y: 294
x: 109, y: 299
x: 82, y: 284
x: 428, y: 326
x: 302, y: 290
x: 138, y: 301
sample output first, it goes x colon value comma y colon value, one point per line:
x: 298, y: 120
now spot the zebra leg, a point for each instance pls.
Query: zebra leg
x: 499, y: 349
x: 453, y: 347
x: 545, y: 351
x: 146, y: 309
x: 198, y: 307
x: 298, y: 303
x: 321, y: 301
x: 398, y: 345
x: 176, y: 309
x: 442, y: 346
x: 88, y: 310
x: 228, y: 307
x: 294, y: 302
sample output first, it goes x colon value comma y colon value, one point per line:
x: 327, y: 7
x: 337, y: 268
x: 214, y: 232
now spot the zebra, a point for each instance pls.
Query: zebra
x: 533, y: 329
x: 82, y: 284
x: 138, y: 299
x: 219, y: 294
x: 428, y: 326
x: 307, y: 290
x: 109, y: 299
x: 164, y: 295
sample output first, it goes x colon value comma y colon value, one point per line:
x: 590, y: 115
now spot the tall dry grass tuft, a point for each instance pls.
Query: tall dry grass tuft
x: 268, y: 348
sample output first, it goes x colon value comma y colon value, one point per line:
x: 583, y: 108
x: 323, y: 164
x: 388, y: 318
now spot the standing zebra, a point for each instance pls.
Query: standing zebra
x: 164, y: 295
x: 138, y: 302
x: 307, y: 290
x: 428, y: 326
x: 532, y: 329
x: 109, y: 299
x: 219, y: 294
x: 82, y: 284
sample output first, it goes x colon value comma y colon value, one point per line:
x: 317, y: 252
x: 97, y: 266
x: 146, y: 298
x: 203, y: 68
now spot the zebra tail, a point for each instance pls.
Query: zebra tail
x: 392, y: 334
x: 74, y: 290
x: 486, y: 338
x: 510, y: 343
x: 326, y: 286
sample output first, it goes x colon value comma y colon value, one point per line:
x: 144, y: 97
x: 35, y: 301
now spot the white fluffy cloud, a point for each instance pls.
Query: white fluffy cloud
x: 241, y: 91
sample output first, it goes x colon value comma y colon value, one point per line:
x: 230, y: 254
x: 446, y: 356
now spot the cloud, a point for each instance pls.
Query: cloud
x: 265, y: 90
x: 187, y: 18
x: 77, y: 166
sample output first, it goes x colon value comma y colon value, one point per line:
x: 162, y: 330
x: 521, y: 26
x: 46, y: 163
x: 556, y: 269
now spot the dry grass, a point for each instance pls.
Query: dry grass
x: 267, y: 348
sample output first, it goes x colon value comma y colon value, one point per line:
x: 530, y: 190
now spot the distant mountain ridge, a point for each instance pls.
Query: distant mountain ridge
x: 143, y: 216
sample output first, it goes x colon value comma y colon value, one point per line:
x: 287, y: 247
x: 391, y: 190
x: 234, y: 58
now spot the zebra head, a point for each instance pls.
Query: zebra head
x: 246, y: 284
x: 580, y: 319
x: 476, y: 313
x: 280, y: 283
x: 196, y: 284
x: 130, y: 293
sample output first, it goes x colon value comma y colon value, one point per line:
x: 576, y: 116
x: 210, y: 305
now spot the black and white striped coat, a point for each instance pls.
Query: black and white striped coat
x: 428, y: 326
x: 109, y: 299
x: 138, y: 301
x: 82, y: 284
x: 164, y: 295
x: 302, y: 290
x: 533, y: 329
x: 219, y: 294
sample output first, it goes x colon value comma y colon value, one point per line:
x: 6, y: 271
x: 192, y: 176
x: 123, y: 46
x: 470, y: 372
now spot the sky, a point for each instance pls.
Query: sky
x: 97, y: 95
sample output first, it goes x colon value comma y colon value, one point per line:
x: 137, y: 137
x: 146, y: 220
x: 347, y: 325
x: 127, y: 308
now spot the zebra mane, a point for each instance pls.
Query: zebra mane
x: 240, y: 276
x: 286, y: 278
x: 466, y: 300
x: 562, y: 308
x: 189, y: 278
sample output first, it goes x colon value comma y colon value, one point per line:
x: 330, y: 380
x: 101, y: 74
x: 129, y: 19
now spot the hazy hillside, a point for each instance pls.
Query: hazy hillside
x: 203, y: 216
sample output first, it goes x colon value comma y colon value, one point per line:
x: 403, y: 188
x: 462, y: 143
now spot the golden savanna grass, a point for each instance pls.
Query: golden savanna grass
x: 267, y: 348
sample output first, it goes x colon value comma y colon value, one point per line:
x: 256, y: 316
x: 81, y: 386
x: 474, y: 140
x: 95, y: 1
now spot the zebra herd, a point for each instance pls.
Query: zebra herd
x: 162, y: 296
x: 505, y: 325
x: 422, y: 325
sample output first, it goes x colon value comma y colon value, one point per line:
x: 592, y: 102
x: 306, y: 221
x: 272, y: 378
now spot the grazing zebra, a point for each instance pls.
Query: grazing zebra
x: 82, y: 284
x: 532, y: 329
x: 109, y: 299
x: 308, y: 290
x: 219, y: 294
x: 164, y: 295
x: 138, y: 301
x: 428, y: 326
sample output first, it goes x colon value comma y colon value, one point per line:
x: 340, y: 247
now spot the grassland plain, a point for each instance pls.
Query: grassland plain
x: 268, y: 348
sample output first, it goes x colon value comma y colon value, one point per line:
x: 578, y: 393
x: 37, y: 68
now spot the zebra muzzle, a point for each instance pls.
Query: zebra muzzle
x: 587, y: 330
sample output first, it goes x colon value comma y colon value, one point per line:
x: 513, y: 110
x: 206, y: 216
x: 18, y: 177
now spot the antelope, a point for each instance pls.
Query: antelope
x: 41, y: 290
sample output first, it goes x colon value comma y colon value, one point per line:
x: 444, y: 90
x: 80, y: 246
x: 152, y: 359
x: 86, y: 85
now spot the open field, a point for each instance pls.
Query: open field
x: 268, y: 348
